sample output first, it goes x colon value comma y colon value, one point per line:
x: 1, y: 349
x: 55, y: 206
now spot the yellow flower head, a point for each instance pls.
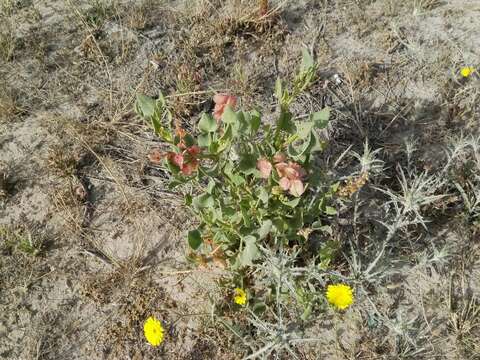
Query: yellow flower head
x: 467, y: 71
x: 340, y: 296
x: 240, y: 297
x: 153, y: 331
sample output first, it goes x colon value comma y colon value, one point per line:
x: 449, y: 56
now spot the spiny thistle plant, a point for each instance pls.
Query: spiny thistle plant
x: 260, y: 186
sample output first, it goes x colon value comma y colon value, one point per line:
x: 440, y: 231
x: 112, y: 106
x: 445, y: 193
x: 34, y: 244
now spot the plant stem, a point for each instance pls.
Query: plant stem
x: 263, y: 7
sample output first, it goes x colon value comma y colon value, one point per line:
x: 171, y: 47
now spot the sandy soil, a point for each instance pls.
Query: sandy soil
x: 105, y: 236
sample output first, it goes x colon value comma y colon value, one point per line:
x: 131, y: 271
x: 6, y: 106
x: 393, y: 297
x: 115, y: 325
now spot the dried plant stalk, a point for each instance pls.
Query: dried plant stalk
x: 263, y: 7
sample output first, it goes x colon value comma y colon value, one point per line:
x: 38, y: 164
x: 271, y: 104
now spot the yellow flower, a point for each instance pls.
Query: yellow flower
x: 467, y: 71
x: 340, y: 296
x: 153, y: 331
x: 240, y: 297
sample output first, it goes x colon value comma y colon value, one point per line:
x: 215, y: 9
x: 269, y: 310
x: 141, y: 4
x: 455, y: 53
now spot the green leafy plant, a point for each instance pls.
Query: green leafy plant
x: 258, y: 183
x: 21, y: 239
x: 98, y: 12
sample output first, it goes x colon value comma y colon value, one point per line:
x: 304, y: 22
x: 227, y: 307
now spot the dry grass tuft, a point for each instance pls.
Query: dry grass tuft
x: 464, y: 322
x: 8, y: 41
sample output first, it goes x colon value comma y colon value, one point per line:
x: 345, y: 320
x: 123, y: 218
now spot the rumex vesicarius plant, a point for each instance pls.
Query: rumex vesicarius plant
x: 260, y: 184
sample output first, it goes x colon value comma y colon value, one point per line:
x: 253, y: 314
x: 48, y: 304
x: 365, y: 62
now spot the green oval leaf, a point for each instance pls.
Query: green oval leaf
x: 250, y: 251
x: 262, y: 194
x: 278, y: 89
x: 207, y: 123
x: 204, y: 140
x: 321, y: 118
x: 265, y: 229
x: 285, y: 122
x: 255, y: 121
x: 189, y: 140
x: 225, y: 141
x: 211, y: 186
x: 304, y: 128
x: 203, y: 201
x: 296, y: 151
x: 292, y: 203
x: 229, y: 116
x: 237, y: 179
x: 194, y: 239
x: 307, y: 60
x: 247, y: 164
x: 145, y: 105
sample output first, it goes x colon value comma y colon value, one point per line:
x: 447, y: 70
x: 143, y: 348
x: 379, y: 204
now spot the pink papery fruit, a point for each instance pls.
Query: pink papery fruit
x: 265, y: 168
x: 221, y: 101
x: 291, y: 175
x: 279, y: 157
